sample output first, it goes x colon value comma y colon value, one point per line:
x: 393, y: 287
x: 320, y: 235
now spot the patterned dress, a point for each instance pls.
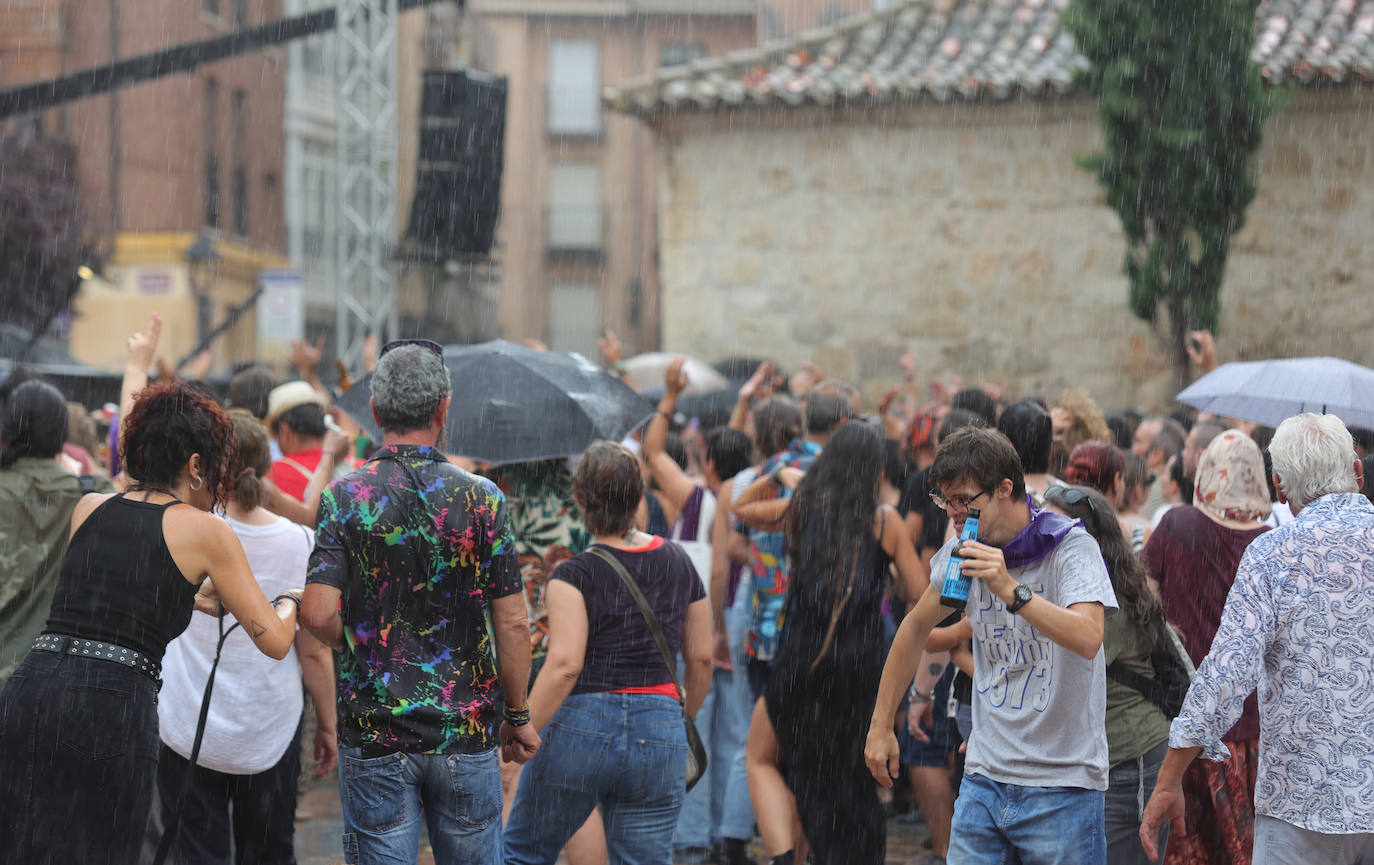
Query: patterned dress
x: 548, y: 530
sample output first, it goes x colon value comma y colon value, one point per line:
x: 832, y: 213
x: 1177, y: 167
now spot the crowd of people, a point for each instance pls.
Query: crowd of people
x: 718, y: 635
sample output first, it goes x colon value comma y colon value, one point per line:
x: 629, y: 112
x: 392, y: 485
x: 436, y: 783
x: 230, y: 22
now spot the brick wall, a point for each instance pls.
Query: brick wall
x: 967, y: 235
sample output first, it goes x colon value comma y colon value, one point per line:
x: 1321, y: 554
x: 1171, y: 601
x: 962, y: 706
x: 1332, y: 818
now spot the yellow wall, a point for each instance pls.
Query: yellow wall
x: 105, y: 314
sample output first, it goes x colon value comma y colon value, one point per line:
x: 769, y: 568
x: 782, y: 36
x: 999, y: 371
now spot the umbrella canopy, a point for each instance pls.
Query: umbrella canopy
x: 645, y: 371
x: 1270, y: 391
x: 513, y: 404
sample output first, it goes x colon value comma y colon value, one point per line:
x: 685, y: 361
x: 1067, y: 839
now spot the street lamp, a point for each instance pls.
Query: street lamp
x: 201, y: 259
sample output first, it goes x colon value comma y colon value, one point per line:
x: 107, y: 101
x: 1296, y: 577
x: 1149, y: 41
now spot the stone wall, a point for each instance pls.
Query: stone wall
x: 967, y: 235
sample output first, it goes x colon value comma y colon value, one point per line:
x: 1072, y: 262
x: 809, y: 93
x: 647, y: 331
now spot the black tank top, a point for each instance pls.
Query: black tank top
x: 119, y: 583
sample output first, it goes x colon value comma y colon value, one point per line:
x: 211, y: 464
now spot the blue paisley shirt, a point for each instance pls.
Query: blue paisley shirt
x: 1299, y: 625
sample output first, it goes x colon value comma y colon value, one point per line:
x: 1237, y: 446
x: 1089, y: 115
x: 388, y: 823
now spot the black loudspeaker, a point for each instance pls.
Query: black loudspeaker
x: 458, y: 175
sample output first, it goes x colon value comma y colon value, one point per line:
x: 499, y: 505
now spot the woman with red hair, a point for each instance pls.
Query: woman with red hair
x: 1102, y: 466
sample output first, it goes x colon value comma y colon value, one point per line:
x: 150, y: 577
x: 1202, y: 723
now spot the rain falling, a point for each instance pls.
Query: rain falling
x: 748, y: 432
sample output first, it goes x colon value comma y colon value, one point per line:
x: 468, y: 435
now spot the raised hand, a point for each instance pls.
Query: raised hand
x: 759, y: 385
x: 675, y: 378
x: 370, y: 347
x: 908, y: 364
x: 306, y: 358
x: 611, y: 348
x: 1202, y: 350
x: 143, y: 346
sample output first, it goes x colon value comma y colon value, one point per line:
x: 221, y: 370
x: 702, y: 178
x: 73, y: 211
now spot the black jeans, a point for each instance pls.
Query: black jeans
x: 240, y: 819
x: 78, y: 757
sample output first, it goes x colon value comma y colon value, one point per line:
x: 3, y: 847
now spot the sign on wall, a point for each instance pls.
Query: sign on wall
x: 281, y: 314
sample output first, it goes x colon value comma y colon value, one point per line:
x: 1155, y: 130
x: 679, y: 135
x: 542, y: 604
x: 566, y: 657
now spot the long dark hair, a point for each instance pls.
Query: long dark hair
x: 836, y: 501
x: 1138, y: 604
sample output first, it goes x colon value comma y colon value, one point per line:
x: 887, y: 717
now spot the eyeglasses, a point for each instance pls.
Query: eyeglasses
x: 957, y: 504
x: 422, y: 343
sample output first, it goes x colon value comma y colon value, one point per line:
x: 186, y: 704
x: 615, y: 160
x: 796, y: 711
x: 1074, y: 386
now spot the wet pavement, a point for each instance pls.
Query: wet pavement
x: 318, y: 836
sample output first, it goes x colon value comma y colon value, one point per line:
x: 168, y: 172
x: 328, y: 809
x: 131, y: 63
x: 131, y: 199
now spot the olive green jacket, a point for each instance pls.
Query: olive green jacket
x: 37, y: 497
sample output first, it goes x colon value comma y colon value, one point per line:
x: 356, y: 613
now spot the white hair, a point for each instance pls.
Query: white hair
x: 1314, y: 456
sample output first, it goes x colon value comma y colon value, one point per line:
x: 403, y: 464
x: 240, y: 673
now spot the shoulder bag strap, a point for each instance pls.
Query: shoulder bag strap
x: 654, y: 627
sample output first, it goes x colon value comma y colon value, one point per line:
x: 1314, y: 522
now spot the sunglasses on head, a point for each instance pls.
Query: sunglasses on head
x: 1070, y: 496
x: 429, y: 344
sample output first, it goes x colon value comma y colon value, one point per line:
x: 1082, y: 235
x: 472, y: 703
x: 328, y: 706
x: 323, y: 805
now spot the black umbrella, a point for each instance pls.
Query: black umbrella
x: 513, y: 404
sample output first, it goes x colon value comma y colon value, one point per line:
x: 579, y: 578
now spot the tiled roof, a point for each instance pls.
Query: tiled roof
x: 972, y: 49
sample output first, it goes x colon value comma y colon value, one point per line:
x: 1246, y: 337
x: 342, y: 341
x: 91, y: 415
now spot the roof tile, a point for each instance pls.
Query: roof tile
x: 974, y: 49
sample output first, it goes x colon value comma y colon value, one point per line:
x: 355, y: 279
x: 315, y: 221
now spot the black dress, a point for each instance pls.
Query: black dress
x: 78, y: 736
x: 822, y: 714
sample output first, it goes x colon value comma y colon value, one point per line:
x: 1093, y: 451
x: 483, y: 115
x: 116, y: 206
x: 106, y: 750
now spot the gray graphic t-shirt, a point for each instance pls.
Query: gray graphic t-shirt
x: 1039, y: 709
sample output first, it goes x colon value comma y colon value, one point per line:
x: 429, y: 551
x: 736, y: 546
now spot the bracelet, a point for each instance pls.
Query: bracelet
x: 916, y: 696
x: 289, y: 597
x: 618, y: 367
x: 516, y: 717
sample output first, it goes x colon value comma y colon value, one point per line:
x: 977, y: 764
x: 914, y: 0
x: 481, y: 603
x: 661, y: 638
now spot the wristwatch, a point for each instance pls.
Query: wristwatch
x: 1021, y: 596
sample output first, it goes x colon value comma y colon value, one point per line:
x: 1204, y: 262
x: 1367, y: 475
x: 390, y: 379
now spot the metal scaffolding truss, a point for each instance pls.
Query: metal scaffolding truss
x: 365, y: 73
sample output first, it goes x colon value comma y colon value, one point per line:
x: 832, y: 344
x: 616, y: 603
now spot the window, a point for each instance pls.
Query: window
x: 210, y: 131
x: 210, y: 7
x: 574, y: 317
x: 317, y: 191
x: 574, y: 87
x: 575, y: 206
x: 239, y: 175
x: 678, y: 53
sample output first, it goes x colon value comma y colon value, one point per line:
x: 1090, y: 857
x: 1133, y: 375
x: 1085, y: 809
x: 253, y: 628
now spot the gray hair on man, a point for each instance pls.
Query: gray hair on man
x: 409, y: 383
x: 1314, y: 456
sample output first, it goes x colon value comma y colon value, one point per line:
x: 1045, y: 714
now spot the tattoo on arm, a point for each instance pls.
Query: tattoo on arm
x: 254, y: 629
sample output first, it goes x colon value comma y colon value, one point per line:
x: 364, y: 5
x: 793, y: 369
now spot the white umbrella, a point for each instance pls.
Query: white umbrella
x: 1270, y: 391
x: 645, y: 372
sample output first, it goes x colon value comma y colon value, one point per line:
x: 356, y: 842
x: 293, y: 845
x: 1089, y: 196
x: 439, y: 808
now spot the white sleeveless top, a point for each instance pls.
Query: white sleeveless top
x: 257, y: 702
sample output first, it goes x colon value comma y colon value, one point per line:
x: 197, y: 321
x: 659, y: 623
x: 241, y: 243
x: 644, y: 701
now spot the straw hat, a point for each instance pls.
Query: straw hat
x: 285, y: 397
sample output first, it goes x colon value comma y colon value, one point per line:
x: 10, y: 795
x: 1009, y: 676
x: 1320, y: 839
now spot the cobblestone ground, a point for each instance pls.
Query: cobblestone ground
x: 317, y: 838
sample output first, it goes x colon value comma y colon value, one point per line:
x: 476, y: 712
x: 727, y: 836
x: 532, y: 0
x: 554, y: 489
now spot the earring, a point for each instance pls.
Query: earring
x: 199, y: 482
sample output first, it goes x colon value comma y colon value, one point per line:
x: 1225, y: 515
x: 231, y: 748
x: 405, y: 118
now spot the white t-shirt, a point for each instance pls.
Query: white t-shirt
x: 1039, y: 709
x: 257, y: 702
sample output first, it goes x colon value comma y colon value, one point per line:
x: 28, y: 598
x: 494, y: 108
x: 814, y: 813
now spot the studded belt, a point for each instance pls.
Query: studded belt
x: 64, y: 645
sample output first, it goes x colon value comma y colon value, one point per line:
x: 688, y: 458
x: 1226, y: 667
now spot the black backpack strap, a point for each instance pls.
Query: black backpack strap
x: 643, y: 603
x: 1136, y: 682
x: 172, y: 830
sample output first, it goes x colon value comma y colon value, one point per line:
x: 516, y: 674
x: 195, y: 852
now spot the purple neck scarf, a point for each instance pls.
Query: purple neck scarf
x: 1039, y: 538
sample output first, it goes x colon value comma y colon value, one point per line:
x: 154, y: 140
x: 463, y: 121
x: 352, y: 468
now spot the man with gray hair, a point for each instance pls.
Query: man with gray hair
x: 1299, y: 624
x: 414, y: 581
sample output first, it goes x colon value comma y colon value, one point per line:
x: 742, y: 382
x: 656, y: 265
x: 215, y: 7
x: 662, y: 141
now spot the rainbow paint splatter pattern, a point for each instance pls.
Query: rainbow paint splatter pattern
x: 418, y: 548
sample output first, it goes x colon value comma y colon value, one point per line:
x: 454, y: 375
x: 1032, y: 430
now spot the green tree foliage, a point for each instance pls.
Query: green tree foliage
x: 1182, y: 112
x: 43, y: 236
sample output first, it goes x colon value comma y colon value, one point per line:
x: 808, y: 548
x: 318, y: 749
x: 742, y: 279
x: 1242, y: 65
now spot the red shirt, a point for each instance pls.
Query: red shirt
x: 292, y: 472
x: 1195, y: 561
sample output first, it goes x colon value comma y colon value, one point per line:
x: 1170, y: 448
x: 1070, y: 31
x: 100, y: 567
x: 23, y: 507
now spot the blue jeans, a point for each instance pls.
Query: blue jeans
x: 1129, y: 785
x: 719, y: 806
x: 626, y: 753
x: 1005, y: 823
x: 384, y: 798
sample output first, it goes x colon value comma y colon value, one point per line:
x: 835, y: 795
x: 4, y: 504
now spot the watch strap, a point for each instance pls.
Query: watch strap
x: 1020, y: 598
